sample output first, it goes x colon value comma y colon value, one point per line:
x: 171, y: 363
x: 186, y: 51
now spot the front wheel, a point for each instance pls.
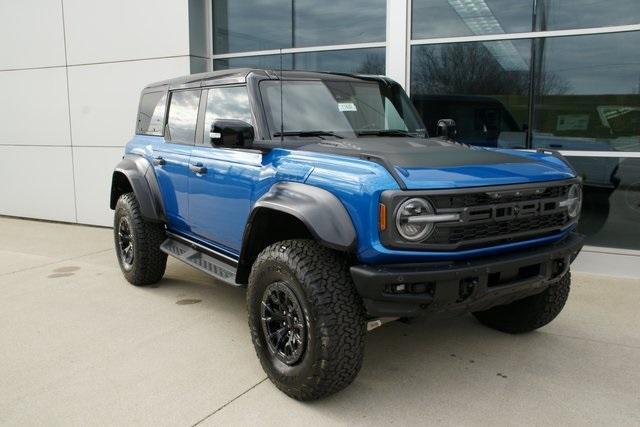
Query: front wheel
x: 306, y: 319
x: 530, y: 313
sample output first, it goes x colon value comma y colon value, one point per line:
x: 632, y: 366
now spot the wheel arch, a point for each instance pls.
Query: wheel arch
x: 293, y: 210
x: 135, y: 174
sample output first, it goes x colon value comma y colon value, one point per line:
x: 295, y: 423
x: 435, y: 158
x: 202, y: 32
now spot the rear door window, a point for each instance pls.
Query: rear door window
x: 183, y: 116
x: 151, y: 113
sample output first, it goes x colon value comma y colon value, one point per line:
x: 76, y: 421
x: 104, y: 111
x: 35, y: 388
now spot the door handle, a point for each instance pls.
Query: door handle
x: 198, y: 169
x: 159, y: 161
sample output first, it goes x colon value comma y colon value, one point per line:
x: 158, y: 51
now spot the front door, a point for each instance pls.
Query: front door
x: 220, y: 193
x: 171, y: 157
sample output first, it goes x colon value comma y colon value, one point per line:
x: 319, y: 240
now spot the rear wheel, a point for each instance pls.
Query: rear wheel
x: 306, y: 319
x: 137, y: 243
x: 529, y: 313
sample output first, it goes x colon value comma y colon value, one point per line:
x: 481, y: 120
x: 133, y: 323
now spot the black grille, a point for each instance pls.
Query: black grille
x: 484, y: 198
x: 477, y: 233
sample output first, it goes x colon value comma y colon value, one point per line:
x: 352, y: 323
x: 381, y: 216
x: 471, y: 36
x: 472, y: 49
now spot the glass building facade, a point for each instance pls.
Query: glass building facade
x: 527, y: 74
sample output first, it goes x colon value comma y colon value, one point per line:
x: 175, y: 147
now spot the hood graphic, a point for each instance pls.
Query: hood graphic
x: 435, y: 163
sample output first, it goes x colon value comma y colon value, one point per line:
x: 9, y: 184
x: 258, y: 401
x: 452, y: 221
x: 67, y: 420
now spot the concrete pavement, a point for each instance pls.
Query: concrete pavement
x: 80, y: 346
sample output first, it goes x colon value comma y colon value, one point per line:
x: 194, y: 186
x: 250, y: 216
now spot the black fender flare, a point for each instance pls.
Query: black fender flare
x: 321, y: 212
x: 142, y: 179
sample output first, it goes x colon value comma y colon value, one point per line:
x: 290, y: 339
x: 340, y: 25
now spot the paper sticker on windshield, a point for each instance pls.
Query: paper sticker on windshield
x: 347, y: 106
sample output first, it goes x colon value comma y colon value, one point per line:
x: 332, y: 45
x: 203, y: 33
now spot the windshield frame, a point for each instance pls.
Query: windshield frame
x: 385, y: 86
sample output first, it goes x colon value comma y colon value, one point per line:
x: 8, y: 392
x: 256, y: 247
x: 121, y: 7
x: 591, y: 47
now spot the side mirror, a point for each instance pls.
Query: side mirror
x: 446, y: 128
x: 231, y: 133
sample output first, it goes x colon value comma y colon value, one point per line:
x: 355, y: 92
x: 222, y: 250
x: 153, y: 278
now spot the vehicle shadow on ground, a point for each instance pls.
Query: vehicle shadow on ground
x: 438, y: 359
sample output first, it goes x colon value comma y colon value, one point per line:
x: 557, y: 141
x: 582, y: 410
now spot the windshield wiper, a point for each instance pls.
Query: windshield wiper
x: 387, y: 132
x: 318, y: 133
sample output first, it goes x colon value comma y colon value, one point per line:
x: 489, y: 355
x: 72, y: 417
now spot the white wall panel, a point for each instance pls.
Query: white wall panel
x: 93, y: 169
x: 37, y: 182
x: 31, y: 34
x: 116, y: 30
x: 34, y: 107
x: 104, y: 97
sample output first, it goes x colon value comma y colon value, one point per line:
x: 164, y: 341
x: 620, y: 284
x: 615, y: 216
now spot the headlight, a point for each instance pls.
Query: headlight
x: 573, y: 203
x: 408, y: 222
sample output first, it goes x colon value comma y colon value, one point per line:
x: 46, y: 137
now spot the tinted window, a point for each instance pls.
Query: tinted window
x: 151, y: 113
x: 365, y: 61
x: 183, y: 115
x: 448, y: 18
x: 590, y: 99
x: 338, y: 22
x: 567, y: 14
x: 483, y: 86
x: 250, y: 25
x: 240, y: 26
x: 226, y: 103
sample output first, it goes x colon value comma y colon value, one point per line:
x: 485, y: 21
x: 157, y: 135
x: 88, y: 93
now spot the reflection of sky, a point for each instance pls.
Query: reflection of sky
x: 566, y: 14
x: 243, y: 25
x: 227, y: 103
x: 596, y: 64
x: 446, y: 18
x: 183, y: 113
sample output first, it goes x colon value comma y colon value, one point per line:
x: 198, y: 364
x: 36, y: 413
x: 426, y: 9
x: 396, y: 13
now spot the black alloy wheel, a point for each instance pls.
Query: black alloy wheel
x: 125, y: 243
x: 283, y: 323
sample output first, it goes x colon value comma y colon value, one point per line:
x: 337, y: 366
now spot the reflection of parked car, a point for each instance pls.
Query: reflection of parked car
x: 323, y: 196
x: 485, y: 121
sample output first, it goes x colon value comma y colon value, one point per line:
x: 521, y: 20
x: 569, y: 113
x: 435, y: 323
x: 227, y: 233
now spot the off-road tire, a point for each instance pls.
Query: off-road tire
x: 149, y: 262
x: 530, y: 313
x: 333, y: 311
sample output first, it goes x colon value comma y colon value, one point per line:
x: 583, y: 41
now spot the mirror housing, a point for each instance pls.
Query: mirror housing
x: 231, y: 133
x: 446, y: 128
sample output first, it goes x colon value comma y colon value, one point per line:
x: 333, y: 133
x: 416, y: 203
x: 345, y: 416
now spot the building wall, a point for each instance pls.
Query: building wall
x: 70, y: 76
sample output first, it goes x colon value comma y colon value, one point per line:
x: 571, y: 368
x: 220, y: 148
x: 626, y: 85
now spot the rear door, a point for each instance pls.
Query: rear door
x: 171, y: 156
x: 220, y: 194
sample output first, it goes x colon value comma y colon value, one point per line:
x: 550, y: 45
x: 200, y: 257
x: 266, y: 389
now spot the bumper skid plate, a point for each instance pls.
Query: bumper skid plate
x: 408, y: 290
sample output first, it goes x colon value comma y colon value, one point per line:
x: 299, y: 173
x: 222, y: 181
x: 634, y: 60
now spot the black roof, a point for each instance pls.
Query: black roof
x: 239, y: 75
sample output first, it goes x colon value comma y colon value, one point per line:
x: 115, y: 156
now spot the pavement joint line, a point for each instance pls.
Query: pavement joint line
x: 634, y: 347
x: 230, y: 402
x: 54, y: 262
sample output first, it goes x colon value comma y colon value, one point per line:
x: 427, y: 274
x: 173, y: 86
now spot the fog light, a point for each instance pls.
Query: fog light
x: 399, y: 288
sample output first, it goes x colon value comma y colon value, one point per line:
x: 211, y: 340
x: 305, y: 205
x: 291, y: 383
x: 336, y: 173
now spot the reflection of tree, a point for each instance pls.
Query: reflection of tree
x: 372, y: 64
x: 471, y: 68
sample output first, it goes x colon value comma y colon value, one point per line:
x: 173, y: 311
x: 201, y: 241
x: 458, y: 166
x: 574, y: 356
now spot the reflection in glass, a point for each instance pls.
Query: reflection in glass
x: 610, y: 214
x: 251, y: 25
x: 360, y: 61
x: 151, y: 113
x: 183, y: 115
x: 594, y: 101
x: 483, y: 86
x: 448, y: 18
x: 568, y: 14
x: 346, y: 108
x: 226, y: 103
x: 240, y: 26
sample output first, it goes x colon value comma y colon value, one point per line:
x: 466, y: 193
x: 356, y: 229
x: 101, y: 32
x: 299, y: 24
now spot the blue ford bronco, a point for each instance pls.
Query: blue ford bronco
x: 324, y: 196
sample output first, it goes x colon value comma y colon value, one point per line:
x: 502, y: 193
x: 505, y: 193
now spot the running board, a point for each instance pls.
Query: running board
x: 201, y: 258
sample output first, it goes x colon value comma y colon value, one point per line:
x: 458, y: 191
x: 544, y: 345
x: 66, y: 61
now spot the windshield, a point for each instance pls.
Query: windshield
x: 344, y: 109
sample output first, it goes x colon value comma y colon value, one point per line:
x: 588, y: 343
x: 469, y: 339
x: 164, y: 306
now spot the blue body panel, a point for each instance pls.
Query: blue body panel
x: 213, y: 208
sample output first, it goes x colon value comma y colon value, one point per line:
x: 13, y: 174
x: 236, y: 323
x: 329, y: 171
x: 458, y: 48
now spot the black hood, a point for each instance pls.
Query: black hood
x: 417, y: 163
x: 414, y: 152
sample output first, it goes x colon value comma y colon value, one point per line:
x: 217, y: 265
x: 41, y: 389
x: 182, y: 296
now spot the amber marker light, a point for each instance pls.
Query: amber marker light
x: 382, y: 217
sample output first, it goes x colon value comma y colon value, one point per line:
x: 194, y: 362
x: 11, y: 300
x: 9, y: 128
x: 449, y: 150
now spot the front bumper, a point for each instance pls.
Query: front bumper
x: 454, y: 287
